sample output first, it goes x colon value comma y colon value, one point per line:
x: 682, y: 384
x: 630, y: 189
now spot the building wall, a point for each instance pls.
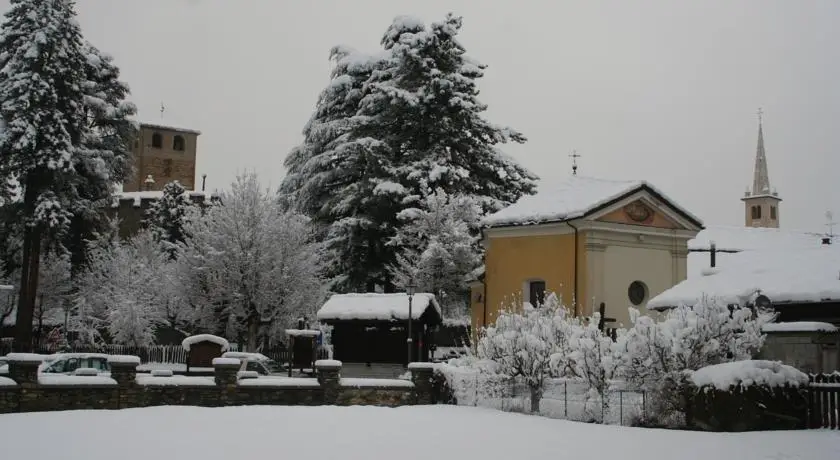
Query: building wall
x: 810, y: 352
x: 165, y: 164
x: 511, y: 261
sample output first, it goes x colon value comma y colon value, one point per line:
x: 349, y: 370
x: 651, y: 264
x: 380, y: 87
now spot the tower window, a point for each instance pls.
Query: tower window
x: 773, y: 212
x: 755, y: 212
x: 157, y: 141
x: 178, y: 143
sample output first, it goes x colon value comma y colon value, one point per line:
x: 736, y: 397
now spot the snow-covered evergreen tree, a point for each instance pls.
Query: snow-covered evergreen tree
x: 45, y: 140
x: 439, y: 249
x: 105, y: 158
x: 125, y: 288
x: 165, y: 218
x: 251, y: 265
x: 433, y: 118
x: 388, y: 132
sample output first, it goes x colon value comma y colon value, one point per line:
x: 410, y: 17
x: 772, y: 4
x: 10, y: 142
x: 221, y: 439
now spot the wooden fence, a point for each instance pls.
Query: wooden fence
x: 824, y: 401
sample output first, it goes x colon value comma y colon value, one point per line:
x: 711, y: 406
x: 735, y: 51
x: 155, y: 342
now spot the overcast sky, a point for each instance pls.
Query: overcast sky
x: 661, y: 90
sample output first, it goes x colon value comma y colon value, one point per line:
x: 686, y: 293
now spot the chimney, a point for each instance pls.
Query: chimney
x: 713, y: 255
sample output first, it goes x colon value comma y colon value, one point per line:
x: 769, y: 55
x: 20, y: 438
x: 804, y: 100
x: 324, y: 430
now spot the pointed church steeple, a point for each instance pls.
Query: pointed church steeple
x: 761, y: 179
x: 762, y: 203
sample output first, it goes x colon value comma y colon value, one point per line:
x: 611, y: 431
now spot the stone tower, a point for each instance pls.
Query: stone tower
x: 761, y: 204
x: 162, y: 153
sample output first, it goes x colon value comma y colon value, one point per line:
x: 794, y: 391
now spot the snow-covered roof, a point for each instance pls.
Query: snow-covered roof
x: 799, y: 326
x: 570, y: 198
x: 193, y: 339
x: 167, y: 124
x: 784, y: 276
x: 375, y: 306
x: 729, y: 238
x: 747, y: 373
x: 138, y: 197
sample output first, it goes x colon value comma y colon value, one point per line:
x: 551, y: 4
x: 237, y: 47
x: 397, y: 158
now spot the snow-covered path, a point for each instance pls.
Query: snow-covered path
x: 406, y: 433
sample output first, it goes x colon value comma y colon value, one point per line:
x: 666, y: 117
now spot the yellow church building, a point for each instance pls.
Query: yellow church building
x: 591, y: 241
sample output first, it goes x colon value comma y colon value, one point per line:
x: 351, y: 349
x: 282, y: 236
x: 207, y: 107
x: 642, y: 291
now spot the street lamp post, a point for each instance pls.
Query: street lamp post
x: 409, y: 289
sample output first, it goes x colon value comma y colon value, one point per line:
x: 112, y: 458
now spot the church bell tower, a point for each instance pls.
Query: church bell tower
x: 761, y: 204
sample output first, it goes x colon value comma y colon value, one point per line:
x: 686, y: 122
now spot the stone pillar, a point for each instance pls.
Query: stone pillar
x: 422, y: 374
x: 329, y: 376
x: 23, y: 368
x: 124, y: 371
x: 225, y: 370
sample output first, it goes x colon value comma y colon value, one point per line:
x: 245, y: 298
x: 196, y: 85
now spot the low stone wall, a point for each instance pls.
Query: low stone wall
x: 29, y: 392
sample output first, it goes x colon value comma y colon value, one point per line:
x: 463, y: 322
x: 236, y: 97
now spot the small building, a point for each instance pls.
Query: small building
x: 800, y: 284
x: 373, y: 327
x: 591, y: 241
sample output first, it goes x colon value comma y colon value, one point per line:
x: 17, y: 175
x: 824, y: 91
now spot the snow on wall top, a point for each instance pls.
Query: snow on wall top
x: 569, y: 198
x: 138, y: 197
x: 729, y: 238
x: 799, y: 326
x: 167, y: 124
x: 189, y: 341
x: 746, y: 373
x: 374, y: 306
x: 785, y: 276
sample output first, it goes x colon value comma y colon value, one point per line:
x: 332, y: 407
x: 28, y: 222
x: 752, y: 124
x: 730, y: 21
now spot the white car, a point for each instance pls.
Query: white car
x: 67, y: 363
x: 258, y: 362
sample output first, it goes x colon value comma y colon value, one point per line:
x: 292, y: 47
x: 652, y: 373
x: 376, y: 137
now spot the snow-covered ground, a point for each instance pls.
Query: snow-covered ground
x: 405, y: 433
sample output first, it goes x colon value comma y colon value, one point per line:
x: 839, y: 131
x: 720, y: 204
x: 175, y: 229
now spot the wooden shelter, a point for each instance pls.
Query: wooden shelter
x: 373, y: 327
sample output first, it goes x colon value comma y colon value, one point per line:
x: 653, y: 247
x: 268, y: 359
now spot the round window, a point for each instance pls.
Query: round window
x: 637, y: 292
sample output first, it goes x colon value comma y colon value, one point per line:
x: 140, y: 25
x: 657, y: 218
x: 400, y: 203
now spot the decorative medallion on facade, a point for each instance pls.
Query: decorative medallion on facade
x: 638, y: 212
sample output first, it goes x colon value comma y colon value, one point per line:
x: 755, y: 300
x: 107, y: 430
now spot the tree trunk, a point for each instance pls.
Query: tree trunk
x: 536, y: 396
x: 251, y: 341
x: 23, y: 316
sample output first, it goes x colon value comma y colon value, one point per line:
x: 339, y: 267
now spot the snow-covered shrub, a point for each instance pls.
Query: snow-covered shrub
x: 523, y: 343
x: 656, y: 354
x: 593, y: 357
x: 747, y: 395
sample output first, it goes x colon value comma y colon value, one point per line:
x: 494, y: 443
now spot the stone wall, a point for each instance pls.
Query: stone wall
x: 31, y: 393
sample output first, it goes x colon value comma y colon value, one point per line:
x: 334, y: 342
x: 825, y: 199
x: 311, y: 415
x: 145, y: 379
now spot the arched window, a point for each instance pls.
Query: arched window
x: 178, y: 143
x: 157, y: 141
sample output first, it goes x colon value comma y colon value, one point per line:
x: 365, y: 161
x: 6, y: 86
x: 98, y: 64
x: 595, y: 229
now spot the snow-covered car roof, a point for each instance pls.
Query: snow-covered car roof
x: 246, y: 355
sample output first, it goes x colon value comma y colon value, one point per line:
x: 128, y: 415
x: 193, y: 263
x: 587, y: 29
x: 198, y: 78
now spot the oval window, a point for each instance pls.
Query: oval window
x: 637, y: 292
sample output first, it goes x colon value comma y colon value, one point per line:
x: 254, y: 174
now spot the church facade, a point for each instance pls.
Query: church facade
x: 590, y: 241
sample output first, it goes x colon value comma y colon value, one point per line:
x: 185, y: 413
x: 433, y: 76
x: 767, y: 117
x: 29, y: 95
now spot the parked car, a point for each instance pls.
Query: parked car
x: 66, y: 363
x: 258, y: 362
x: 4, y: 363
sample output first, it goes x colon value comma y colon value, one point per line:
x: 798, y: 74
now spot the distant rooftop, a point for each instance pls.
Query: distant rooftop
x: 732, y: 239
x: 167, y: 123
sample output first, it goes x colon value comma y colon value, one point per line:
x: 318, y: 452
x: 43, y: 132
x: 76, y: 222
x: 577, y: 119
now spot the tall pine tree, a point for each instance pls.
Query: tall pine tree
x: 105, y: 158
x: 48, y: 158
x: 417, y: 127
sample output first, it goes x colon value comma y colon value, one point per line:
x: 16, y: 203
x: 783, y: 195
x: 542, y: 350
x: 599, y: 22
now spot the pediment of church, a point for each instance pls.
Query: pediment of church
x: 642, y: 211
